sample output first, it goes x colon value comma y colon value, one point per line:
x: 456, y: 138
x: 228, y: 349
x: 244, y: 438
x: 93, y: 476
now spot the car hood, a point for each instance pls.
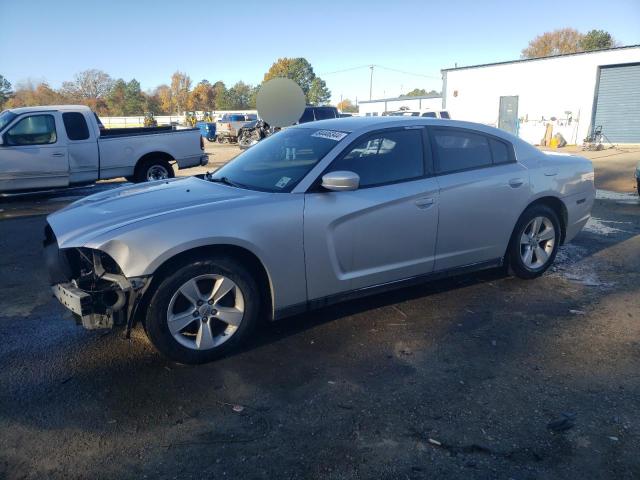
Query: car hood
x: 97, y: 214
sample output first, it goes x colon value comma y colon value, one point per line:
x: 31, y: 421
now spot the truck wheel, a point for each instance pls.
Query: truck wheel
x: 534, y: 242
x: 153, y: 169
x: 203, y: 310
x: 638, y: 183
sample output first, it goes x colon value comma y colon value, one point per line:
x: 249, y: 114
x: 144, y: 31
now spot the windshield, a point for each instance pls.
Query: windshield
x: 6, y: 117
x: 279, y: 162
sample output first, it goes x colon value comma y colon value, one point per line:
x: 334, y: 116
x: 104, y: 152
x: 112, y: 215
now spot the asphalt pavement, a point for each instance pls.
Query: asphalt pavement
x: 481, y: 376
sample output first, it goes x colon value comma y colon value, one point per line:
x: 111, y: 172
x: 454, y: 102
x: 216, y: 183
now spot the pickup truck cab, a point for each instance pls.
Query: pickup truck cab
x: 57, y: 146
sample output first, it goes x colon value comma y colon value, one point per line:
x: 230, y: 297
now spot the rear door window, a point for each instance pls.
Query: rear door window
x: 429, y: 114
x: 75, y: 126
x: 444, y: 114
x: 458, y: 149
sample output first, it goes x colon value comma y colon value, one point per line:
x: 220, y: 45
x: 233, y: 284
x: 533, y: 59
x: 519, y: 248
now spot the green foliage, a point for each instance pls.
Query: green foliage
x: 597, y: 40
x: 567, y: 40
x: 318, y: 93
x: 419, y: 92
x: 300, y: 71
x: 5, y: 90
x: 346, y: 106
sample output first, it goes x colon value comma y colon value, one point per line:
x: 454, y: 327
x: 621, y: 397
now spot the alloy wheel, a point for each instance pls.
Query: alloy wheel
x: 205, y: 311
x: 537, y: 242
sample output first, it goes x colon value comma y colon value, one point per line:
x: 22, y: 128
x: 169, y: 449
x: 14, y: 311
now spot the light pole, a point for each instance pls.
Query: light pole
x: 371, y: 81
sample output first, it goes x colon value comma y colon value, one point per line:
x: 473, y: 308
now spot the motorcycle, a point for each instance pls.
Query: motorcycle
x: 253, y: 132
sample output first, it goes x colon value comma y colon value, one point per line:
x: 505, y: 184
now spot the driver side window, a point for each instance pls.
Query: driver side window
x: 385, y: 157
x: 33, y: 130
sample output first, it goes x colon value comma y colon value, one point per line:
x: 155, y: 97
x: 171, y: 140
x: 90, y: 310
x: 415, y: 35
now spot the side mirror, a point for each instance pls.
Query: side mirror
x: 341, y: 181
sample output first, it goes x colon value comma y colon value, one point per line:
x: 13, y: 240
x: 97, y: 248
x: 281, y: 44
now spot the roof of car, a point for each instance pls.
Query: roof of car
x: 352, y: 124
x: 49, y: 108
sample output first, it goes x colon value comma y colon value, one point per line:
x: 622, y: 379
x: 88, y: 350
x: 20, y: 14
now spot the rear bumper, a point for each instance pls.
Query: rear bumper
x: 195, y: 161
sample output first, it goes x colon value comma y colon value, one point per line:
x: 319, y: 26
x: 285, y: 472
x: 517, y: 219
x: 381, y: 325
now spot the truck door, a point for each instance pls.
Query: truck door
x: 33, y: 155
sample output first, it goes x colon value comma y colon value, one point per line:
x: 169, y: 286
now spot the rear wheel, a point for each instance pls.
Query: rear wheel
x: 534, y: 242
x: 152, y: 170
x: 203, y: 310
x: 638, y: 184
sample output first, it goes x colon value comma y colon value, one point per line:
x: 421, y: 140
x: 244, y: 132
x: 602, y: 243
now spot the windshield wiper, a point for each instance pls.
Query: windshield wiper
x: 226, y: 181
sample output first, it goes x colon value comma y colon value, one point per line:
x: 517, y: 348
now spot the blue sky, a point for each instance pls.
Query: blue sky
x: 239, y: 40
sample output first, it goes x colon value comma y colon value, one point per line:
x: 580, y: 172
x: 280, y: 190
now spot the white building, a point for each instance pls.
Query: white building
x: 375, y: 108
x: 573, y: 92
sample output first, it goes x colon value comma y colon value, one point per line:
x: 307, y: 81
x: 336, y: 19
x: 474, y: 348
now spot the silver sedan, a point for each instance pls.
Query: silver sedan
x: 312, y: 215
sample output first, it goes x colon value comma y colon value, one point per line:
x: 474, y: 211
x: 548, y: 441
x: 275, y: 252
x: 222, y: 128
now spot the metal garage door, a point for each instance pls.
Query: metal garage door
x: 618, y: 103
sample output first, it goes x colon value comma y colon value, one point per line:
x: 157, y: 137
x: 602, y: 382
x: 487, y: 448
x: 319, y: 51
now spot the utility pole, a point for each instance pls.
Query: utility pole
x: 371, y: 81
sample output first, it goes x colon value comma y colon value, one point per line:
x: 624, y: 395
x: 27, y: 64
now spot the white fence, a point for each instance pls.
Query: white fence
x: 138, y: 121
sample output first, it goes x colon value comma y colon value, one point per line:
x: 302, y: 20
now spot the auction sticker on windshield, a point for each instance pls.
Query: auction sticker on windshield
x: 330, y: 134
x: 283, y: 182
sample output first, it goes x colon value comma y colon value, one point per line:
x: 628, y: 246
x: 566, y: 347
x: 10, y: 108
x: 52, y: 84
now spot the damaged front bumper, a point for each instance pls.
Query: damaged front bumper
x: 90, y: 284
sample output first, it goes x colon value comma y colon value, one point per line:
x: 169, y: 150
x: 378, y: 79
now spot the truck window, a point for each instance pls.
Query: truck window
x: 33, y: 130
x: 444, y: 114
x: 75, y: 125
x: 307, y: 116
x: 429, y: 114
x: 325, y: 113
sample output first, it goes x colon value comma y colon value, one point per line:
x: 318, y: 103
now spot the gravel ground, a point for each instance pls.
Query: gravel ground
x: 482, y: 376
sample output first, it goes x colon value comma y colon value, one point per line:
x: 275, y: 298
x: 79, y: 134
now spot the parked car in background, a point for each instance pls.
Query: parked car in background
x: 207, y: 130
x: 57, y: 146
x: 310, y: 216
x: 638, y: 177
x: 228, y: 127
x: 419, y: 113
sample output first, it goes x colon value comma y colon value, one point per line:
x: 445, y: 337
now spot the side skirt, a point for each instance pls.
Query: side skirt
x: 383, y: 287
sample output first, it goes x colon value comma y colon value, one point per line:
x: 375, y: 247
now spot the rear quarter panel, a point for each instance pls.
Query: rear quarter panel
x: 119, y: 155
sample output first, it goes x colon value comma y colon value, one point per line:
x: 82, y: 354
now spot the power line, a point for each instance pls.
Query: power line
x: 409, y: 73
x: 344, y: 70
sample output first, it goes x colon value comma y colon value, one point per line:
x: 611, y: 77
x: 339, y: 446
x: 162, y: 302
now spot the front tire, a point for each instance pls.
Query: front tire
x: 203, y: 310
x: 534, y: 243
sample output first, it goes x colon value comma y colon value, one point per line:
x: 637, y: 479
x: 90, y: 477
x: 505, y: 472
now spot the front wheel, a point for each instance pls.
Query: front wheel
x: 534, y: 242
x: 203, y: 310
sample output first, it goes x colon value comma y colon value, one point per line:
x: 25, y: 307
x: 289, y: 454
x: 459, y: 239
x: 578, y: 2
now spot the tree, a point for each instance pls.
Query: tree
x: 597, y: 40
x: 346, y: 106
x: 318, y: 94
x: 88, y: 85
x: 202, y: 97
x: 419, y: 92
x: 239, y: 96
x: 222, y: 99
x: 116, y: 98
x: 165, y: 97
x: 133, y: 98
x: 565, y: 40
x: 5, y: 90
x: 300, y: 71
x: 27, y: 94
x: 180, y: 87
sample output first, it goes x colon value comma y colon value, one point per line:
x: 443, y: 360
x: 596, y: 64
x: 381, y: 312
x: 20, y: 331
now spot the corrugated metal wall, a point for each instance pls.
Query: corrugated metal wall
x: 618, y: 103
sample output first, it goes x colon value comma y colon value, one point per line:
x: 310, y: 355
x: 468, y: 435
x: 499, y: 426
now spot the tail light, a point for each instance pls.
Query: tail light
x: 201, y: 143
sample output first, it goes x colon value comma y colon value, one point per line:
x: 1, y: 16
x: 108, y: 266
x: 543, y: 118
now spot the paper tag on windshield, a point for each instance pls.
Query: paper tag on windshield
x: 283, y: 182
x: 330, y: 134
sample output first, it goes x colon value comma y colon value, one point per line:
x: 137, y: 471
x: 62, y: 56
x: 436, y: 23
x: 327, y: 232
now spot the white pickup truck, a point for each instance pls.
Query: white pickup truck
x: 58, y: 146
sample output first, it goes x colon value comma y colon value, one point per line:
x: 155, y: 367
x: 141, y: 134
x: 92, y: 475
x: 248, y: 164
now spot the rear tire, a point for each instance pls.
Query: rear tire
x: 153, y: 169
x: 638, y: 185
x: 534, y: 242
x: 194, y: 330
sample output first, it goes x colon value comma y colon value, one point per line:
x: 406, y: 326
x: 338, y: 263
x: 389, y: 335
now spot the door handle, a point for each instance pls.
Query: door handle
x: 57, y: 154
x: 424, y: 202
x: 516, y: 182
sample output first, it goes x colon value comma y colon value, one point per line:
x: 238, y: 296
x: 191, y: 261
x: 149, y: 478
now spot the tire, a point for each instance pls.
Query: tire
x: 533, y: 246
x: 638, y: 185
x: 206, y: 337
x: 131, y: 179
x: 153, y: 169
